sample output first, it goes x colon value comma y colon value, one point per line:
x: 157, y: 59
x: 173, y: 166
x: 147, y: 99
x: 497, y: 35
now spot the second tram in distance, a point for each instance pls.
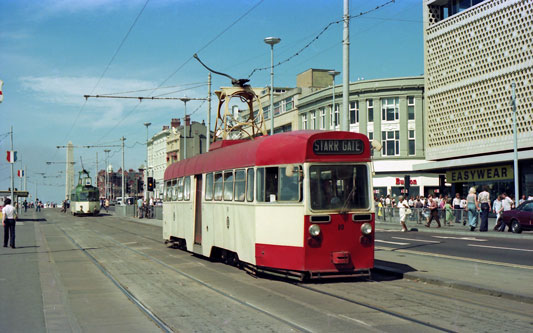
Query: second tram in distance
x: 297, y: 204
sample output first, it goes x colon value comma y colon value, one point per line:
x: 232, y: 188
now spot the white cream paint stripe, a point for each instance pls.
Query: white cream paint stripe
x: 387, y: 242
x: 501, y: 248
x: 417, y: 240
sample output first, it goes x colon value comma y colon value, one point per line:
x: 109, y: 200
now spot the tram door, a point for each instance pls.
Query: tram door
x: 198, y: 211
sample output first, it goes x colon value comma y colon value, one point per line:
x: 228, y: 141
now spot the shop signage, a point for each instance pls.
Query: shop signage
x: 333, y: 147
x: 400, y: 181
x: 480, y: 174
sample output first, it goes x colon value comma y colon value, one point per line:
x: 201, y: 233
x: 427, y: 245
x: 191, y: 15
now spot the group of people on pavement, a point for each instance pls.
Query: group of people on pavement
x: 473, y: 209
x: 145, y: 209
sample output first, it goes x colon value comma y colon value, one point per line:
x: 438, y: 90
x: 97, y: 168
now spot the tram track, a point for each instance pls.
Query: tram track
x: 164, y: 327
x: 342, y: 298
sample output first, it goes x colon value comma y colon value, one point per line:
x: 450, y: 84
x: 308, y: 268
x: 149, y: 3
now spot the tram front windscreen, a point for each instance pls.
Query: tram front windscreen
x: 339, y: 187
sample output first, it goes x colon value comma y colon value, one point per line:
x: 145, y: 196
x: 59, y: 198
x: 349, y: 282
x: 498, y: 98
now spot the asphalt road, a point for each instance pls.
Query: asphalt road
x: 469, y: 246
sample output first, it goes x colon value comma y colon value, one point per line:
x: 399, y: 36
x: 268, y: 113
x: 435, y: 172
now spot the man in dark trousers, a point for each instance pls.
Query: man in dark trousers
x: 8, y: 221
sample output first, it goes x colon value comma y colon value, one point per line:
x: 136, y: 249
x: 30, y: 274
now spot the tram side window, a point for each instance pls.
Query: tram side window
x: 168, y: 193
x: 271, y: 184
x: 289, y: 183
x: 180, y: 189
x: 228, y: 185
x: 187, y: 188
x: 240, y: 184
x: 218, y: 186
x: 209, y: 186
x: 260, y: 185
x: 250, y: 185
x: 174, y: 190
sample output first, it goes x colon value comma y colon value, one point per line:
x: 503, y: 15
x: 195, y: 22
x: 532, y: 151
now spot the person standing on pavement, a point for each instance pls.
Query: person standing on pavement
x: 484, y: 203
x: 497, y: 209
x: 434, y: 211
x: 140, y: 208
x: 25, y: 204
x: 448, y: 212
x: 37, y: 205
x: 456, y: 204
x: 507, y: 204
x: 402, y: 206
x: 106, y: 205
x: 472, y: 208
x: 8, y: 221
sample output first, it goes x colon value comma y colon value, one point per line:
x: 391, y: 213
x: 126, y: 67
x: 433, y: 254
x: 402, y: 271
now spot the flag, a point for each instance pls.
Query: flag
x: 1, y: 93
x: 11, y: 156
x: 20, y: 173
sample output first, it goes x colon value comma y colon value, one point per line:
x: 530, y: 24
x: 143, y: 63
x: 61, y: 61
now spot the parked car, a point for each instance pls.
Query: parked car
x: 520, y: 218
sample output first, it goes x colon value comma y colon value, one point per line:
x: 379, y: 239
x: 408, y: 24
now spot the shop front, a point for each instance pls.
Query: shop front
x: 497, y: 179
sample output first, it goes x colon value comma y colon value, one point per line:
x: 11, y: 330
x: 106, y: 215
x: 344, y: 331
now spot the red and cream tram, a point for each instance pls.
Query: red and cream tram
x: 296, y: 203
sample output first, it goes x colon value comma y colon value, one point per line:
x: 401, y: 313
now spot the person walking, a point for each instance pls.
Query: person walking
x: 25, y: 204
x: 449, y: 217
x: 402, y: 207
x: 507, y: 204
x: 434, y: 211
x: 497, y: 209
x: 37, y: 205
x: 8, y: 221
x: 106, y: 205
x: 484, y: 203
x: 456, y: 204
x: 472, y: 207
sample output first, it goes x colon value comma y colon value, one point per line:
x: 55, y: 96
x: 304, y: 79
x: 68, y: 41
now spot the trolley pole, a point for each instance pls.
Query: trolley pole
x: 123, y: 196
x: 208, y: 135
x: 345, y: 69
x: 513, y: 102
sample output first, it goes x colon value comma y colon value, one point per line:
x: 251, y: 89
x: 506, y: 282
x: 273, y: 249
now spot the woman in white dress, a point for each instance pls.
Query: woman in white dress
x: 403, y: 206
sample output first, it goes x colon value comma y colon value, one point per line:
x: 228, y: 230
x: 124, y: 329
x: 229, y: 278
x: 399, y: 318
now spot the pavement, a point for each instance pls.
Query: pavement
x: 488, y: 277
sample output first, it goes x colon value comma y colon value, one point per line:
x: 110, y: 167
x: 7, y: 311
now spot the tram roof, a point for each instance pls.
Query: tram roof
x: 282, y: 148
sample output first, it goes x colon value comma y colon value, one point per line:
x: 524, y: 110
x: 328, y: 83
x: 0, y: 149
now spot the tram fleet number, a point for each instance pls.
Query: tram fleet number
x: 352, y: 146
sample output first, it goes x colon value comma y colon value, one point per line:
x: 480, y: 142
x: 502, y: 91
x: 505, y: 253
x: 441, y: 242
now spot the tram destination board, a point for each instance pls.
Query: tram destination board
x: 333, y: 147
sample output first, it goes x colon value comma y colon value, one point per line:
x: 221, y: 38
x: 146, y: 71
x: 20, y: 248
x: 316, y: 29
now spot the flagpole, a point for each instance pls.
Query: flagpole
x: 12, y: 179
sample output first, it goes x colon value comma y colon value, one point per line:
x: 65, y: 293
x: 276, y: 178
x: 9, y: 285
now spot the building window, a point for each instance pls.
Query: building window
x: 411, y: 107
x: 390, y: 109
x: 412, y: 150
x: 322, y: 118
x: 391, y: 143
x: 370, y: 138
x: 304, y: 121
x: 313, y: 120
x: 370, y: 108
x: 354, y: 112
x: 288, y: 104
x: 277, y: 108
x: 334, y: 117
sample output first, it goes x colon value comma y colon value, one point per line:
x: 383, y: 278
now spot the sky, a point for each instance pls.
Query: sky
x: 52, y: 52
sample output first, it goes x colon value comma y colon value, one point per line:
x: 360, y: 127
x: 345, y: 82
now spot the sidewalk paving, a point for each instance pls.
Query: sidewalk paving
x: 498, y: 279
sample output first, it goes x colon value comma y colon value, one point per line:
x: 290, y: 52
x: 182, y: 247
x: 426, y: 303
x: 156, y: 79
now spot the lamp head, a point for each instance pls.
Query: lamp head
x: 272, y: 40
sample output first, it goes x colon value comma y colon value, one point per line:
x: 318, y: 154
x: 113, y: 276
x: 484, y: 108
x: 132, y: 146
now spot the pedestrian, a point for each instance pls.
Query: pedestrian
x: 37, y: 205
x: 449, y: 217
x: 25, y: 204
x: 484, y: 204
x: 402, y: 207
x: 522, y: 199
x: 472, y: 208
x: 140, y: 208
x: 507, y: 204
x: 497, y: 209
x: 9, y: 216
x: 106, y: 205
x: 419, y: 206
x: 434, y: 211
x: 456, y: 204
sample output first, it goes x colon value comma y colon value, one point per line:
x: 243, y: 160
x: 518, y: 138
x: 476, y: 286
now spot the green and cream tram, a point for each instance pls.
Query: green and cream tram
x: 85, y: 197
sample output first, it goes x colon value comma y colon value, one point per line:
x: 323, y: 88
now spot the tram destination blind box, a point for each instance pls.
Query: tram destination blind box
x: 334, y: 147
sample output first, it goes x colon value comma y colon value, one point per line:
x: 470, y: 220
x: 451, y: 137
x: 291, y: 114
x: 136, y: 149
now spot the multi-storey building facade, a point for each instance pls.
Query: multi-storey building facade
x: 157, y: 159
x: 387, y: 110
x: 475, y: 52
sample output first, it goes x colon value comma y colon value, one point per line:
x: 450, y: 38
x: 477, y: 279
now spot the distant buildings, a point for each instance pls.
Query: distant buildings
x: 133, y: 179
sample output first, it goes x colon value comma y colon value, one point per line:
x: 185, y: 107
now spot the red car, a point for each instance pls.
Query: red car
x: 520, y: 218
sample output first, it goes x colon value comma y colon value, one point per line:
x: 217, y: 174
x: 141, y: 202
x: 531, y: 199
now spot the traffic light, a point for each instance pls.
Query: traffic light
x: 150, y: 183
x: 406, y: 183
x: 139, y: 185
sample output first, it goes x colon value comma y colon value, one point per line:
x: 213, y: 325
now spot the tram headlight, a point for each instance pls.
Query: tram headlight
x: 366, y: 228
x: 314, y: 230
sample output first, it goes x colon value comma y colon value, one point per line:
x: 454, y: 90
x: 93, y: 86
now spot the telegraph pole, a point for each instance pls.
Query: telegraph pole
x: 106, y: 151
x: 123, y: 196
x: 345, y: 69
x: 208, y: 111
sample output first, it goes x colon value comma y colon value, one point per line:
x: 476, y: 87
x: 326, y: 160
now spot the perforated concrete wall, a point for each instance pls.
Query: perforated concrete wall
x: 471, y: 60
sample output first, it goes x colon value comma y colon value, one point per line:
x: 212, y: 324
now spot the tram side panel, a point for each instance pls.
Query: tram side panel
x: 279, y: 236
x: 245, y: 232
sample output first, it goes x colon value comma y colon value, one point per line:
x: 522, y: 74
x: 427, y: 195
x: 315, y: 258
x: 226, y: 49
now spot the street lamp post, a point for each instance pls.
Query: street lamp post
x: 146, y: 165
x: 185, y: 100
x: 106, y: 151
x: 272, y: 41
x: 515, y: 145
x: 333, y: 74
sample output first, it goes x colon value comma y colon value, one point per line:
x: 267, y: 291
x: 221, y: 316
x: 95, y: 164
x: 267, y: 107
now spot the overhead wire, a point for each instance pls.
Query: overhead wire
x: 318, y: 36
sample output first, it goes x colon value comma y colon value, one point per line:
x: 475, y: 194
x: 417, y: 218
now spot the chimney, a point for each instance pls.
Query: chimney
x: 175, y: 122
x: 165, y: 128
x: 187, y: 120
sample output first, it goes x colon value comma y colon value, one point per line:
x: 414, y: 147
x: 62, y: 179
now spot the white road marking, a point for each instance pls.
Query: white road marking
x: 417, y: 240
x: 472, y: 239
x: 356, y: 320
x: 387, y: 242
x: 501, y: 248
